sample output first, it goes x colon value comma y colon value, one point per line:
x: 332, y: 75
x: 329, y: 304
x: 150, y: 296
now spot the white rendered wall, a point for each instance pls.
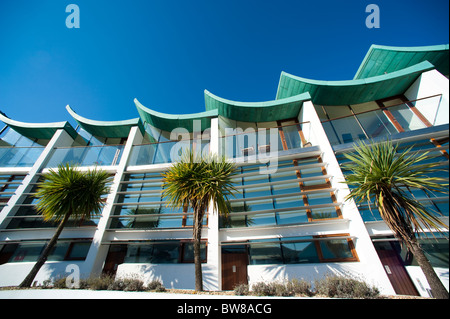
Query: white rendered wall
x: 369, y: 266
x: 420, y: 281
x: 12, y: 274
x: 212, y: 270
x: 95, y: 259
x: 428, y: 84
x: 177, y: 276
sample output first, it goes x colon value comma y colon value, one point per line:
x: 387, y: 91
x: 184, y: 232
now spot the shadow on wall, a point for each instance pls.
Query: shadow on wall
x: 175, y: 276
x: 266, y: 273
x: 12, y: 274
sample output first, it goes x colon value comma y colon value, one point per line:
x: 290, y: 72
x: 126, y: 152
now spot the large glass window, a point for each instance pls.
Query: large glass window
x: 298, y: 192
x: 299, y: 250
x: 30, y: 251
x: 140, y: 205
x: 349, y: 123
x: 158, y: 147
x: 8, y: 185
x: 19, y: 151
x: 163, y: 252
x: 241, y: 139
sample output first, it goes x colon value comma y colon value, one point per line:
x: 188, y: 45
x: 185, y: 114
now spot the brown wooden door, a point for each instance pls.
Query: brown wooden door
x: 116, y: 256
x: 234, y: 270
x: 396, y: 271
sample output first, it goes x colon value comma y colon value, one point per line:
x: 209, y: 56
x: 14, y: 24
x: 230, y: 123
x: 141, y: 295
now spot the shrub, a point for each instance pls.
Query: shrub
x: 59, y: 283
x: 241, y: 290
x: 263, y: 289
x: 156, y: 285
x: 97, y: 283
x: 281, y: 289
x: 127, y: 284
x: 271, y: 289
x: 344, y: 287
x: 299, y: 287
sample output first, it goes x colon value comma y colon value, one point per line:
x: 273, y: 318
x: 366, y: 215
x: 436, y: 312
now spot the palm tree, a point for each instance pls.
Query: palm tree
x: 382, y: 175
x: 198, y: 182
x: 68, y: 193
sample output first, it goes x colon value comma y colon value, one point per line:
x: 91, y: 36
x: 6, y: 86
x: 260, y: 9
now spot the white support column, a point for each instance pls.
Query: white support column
x: 95, y: 259
x: 59, y: 139
x: 369, y: 264
x: 213, y: 269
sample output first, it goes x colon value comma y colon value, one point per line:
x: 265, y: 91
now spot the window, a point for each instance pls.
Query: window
x: 163, y: 252
x: 299, y: 250
x: 265, y: 251
x: 78, y: 251
x: 187, y: 255
x: 299, y: 192
x: 30, y: 251
x: 349, y: 123
x: 140, y: 205
x: 336, y: 249
x: 8, y: 185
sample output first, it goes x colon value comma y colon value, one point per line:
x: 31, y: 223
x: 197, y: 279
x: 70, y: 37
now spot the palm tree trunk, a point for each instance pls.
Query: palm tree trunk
x: 437, y: 288
x: 198, y: 217
x: 404, y: 231
x: 44, y: 255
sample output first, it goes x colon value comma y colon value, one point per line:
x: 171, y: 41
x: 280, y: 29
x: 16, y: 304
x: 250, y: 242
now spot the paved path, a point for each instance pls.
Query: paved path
x: 104, y: 294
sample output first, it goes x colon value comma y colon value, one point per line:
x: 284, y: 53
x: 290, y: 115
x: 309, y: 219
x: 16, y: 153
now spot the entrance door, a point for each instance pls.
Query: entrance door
x: 234, y: 267
x: 395, y: 269
x: 116, y: 256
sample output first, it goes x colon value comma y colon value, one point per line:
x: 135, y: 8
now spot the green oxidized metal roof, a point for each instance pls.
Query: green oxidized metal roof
x: 112, y: 129
x: 385, y: 59
x: 168, y: 122
x: 257, y: 111
x: 352, y: 91
x: 44, y: 131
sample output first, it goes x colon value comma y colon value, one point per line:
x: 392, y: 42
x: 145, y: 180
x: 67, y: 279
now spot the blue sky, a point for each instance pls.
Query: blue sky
x: 166, y: 53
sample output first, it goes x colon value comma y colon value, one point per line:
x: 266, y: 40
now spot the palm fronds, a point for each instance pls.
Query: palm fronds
x: 68, y: 190
x: 380, y: 175
x: 198, y: 181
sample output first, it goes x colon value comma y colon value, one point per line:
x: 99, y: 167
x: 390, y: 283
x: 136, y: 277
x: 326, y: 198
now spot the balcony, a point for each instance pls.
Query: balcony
x: 381, y: 119
x: 164, y: 152
x: 19, y: 156
x: 264, y: 141
x: 104, y: 155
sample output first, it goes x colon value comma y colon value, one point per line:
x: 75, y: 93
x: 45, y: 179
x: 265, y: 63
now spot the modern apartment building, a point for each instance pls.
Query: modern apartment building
x: 288, y: 218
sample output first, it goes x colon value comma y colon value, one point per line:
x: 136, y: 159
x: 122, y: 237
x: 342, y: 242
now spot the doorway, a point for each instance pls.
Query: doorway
x: 116, y: 256
x: 234, y: 266
x: 395, y: 269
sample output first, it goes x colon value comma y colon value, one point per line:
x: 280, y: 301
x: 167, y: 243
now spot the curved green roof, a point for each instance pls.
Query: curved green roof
x: 112, y: 129
x: 352, y: 91
x: 44, y: 131
x: 257, y: 111
x: 168, y: 122
x: 385, y: 59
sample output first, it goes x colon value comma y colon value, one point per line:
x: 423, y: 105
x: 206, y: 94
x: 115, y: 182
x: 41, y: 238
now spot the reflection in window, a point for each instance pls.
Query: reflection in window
x: 298, y: 250
x: 163, y: 252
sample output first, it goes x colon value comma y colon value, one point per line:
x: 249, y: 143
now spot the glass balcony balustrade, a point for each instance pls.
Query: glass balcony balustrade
x: 165, y: 152
x: 104, y: 155
x: 19, y: 156
x: 366, y: 121
x: 264, y: 141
